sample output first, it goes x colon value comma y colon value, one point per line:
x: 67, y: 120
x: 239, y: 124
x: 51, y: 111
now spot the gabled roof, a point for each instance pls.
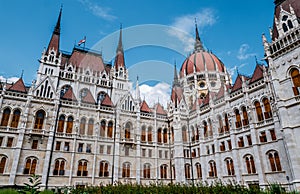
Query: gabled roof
x: 221, y: 92
x: 160, y: 110
x: 145, y: 107
x: 206, y: 99
x: 18, y: 86
x: 177, y: 93
x: 106, y: 101
x: 258, y: 73
x: 69, y: 95
x: 89, y: 98
x: 200, y: 101
x: 237, y: 84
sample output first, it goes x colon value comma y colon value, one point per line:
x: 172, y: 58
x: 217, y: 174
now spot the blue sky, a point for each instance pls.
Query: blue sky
x: 231, y: 29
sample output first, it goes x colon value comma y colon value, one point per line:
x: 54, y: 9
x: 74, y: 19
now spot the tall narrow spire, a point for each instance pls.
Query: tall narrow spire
x: 54, y: 41
x: 137, y: 89
x: 198, y: 44
x: 175, y: 81
x: 119, y: 59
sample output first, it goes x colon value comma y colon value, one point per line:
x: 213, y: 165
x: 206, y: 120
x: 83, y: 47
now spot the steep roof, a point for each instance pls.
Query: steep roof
x: 54, y: 41
x: 89, y: 98
x: 106, y: 101
x: 18, y: 86
x: 69, y: 95
x: 221, y: 92
x: 145, y: 107
x: 258, y: 73
x: 160, y: 110
x: 237, y: 84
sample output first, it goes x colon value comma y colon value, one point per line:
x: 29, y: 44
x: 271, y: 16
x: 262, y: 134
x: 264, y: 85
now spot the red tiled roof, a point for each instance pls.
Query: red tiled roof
x: 69, y: 95
x: 18, y: 86
x: 119, y: 60
x: 200, y: 101
x: 177, y: 93
x: 106, y: 101
x: 285, y: 6
x: 145, y: 107
x: 89, y: 98
x: 258, y: 73
x: 160, y: 110
x: 206, y: 99
x: 221, y: 92
x: 85, y: 59
x: 237, y: 84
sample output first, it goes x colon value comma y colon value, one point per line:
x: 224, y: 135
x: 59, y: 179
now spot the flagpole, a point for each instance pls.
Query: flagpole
x: 84, y: 43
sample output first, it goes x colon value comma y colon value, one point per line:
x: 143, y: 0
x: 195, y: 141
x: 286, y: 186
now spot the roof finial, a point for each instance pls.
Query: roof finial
x: 22, y: 73
x: 175, y: 81
x: 198, y: 44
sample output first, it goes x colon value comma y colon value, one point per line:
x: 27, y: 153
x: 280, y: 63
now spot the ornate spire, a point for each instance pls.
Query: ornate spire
x: 54, y: 41
x: 175, y: 81
x: 119, y: 59
x: 137, y: 89
x: 120, y: 45
x: 198, y: 44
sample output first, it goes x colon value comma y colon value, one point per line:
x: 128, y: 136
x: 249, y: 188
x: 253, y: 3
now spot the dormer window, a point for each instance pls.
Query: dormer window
x: 286, y: 23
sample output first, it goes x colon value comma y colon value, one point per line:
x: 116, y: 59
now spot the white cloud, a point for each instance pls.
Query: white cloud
x: 152, y: 94
x: 184, y: 26
x: 234, y: 69
x: 97, y: 10
x: 243, y: 52
x: 9, y: 79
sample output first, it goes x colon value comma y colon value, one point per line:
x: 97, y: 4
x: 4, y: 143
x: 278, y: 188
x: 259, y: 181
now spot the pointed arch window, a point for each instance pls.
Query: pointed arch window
x: 274, y: 161
x: 163, y: 171
x: 110, y: 129
x: 30, y: 166
x: 149, y: 134
x: 103, y: 172
x: 82, y: 126
x: 259, y: 113
x: 184, y: 134
x: 5, y: 117
x: 159, y: 136
x: 69, y: 124
x: 267, y: 106
x: 250, y: 165
x: 127, y: 130
x: 199, y: 170
x: 245, y: 116
x: 39, y: 119
x: 205, y: 133
x: 238, y: 123
x: 102, y: 128
x: 59, y: 167
x: 126, y: 170
x: 212, y: 169
x: 15, y: 118
x: 2, y: 164
x: 82, y: 168
x: 90, y: 127
x: 229, y: 167
x: 210, y: 132
x: 221, y: 129
x: 187, y: 170
x: 165, y: 135
x: 296, y: 81
x: 227, y: 128
x: 143, y: 135
x: 61, y: 123
x: 146, y: 171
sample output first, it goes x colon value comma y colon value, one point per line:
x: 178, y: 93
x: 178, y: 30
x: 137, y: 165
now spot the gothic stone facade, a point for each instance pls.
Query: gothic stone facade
x: 79, y: 124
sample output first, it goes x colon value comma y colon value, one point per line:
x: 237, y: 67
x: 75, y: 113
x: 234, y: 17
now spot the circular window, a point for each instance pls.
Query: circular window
x: 201, y: 84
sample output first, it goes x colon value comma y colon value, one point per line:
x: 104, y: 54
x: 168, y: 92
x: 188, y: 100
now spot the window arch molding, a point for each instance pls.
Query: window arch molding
x: 6, y: 114
x: 59, y: 166
x: 273, y: 159
x: 40, y: 115
x: 3, y: 163
x: 31, y: 164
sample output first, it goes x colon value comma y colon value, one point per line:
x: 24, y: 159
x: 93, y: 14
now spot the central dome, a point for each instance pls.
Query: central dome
x: 201, y: 61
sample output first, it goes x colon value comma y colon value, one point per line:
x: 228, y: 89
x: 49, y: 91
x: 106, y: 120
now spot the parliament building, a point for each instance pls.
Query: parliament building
x: 79, y: 123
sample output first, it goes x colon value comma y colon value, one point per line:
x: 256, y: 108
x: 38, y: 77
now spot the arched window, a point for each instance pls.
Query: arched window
x: 82, y: 126
x: 126, y: 170
x: 61, y: 123
x: 210, y: 132
x: 199, y: 170
x: 2, y: 164
x: 296, y: 81
x: 110, y: 129
x: 149, y: 134
x: 238, y: 123
x: 187, y: 170
x: 163, y: 171
x: 146, y: 171
x: 5, y: 117
x: 15, y: 118
x: 229, y: 167
x: 90, y: 127
x: 59, y: 167
x: 69, y: 124
x: 274, y: 161
x: 165, y: 135
x: 30, y: 166
x: 267, y: 106
x: 259, y: 113
x: 102, y: 128
x: 284, y: 27
x: 290, y: 24
x: 205, y: 129
x: 250, y: 164
x: 212, y: 169
x: 227, y: 127
x: 39, y: 119
x: 221, y: 130
x: 143, y: 135
x: 64, y: 89
x: 127, y: 130
x: 103, y: 172
x: 82, y: 168
x: 159, y: 136
x: 245, y: 116
x: 184, y: 134
x: 100, y: 97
